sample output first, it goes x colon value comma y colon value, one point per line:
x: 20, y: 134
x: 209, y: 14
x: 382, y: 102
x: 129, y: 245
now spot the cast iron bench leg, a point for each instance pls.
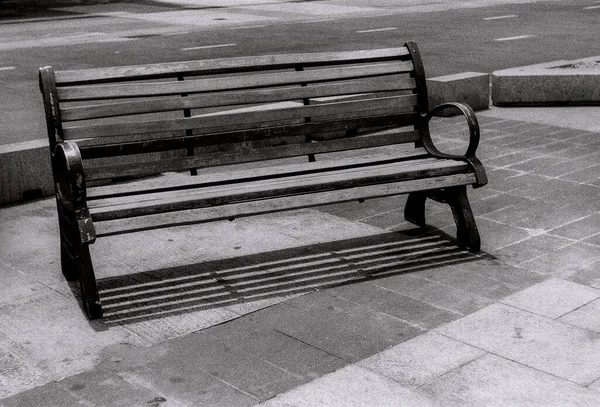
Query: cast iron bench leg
x: 414, y: 210
x: 87, y: 282
x: 467, y: 234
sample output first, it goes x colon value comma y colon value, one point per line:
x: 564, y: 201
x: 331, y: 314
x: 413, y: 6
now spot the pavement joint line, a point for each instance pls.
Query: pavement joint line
x: 591, y: 7
x: 518, y: 37
x: 7, y: 68
x: 377, y: 30
x: 500, y: 17
x: 208, y: 47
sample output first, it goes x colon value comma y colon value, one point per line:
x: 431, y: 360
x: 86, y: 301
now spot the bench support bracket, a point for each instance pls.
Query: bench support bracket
x: 467, y: 234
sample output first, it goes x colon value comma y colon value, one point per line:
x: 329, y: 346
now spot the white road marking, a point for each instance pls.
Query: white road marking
x: 208, y: 47
x: 247, y: 27
x: 500, y: 17
x: 377, y: 30
x: 591, y: 7
x: 7, y: 68
x: 518, y: 37
x: 322, y: 20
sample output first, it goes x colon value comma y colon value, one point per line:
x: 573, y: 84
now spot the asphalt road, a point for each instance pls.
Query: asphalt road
x: 481, y: 39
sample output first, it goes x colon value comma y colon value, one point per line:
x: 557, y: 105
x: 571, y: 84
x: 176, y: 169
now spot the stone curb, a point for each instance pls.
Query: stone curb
x: 549, y: 84
x: 26, y: 172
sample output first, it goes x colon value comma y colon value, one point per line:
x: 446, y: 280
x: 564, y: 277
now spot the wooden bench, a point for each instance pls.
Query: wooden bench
x: 263, y: 134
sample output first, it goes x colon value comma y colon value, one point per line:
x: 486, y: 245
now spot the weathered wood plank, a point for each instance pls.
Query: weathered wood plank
x: 280, y: 204
x: 134, y: 90
x: 124, y: 207
x: 157, y: 184
x: 229, y: 120
x: 148, y: 143
x: 259, y: 154
x: 99, y: 75
x: 251, y: 96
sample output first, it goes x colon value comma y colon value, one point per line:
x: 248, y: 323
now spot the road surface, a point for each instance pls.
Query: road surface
x: 454, y: 36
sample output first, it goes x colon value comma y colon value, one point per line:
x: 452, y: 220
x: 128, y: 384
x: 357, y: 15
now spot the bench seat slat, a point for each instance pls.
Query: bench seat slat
x: 124, y: 207
x: 100, y: 75
x: 134, y: 90
x: 258, y: 154
x: 183, y: 181
x: 234, y: 98
x: 279, y: 204
x: 246, y: 119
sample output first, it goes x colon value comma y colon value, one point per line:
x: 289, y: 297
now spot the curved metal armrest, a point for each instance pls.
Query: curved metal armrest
x: 469, y: 156
x: 67, y: 168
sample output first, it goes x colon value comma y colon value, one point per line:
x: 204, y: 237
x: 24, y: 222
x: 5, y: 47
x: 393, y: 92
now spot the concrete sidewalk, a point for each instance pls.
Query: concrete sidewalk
x: 417, y: 322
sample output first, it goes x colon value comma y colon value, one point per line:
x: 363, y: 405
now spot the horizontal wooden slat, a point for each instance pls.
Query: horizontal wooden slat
x: 179, y: 181
x: 250, y: 96
x: 148, y: 143
x: 132, y: 90
x: 266, y: 153
x: 124, y: 207
x: 99, y: 75
x: 223, y: 120
x: 281, y: 204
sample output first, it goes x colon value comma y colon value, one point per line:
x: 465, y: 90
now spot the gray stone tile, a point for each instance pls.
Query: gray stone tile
x: 16, y: 373
x: 581, y: 228
x: 434, y: 293
x: 497, y: 270
x: 50, y: 394
x: 407, y: 309
x: 421, y: 360
x: 105, y: 388
x: 564, y: 262
x: 492, y: 240
x: 492, y: 381
x: 276, y: 348
x: 586, y: 317
x: 200, y: 354
x: 470, y: 281
x: 351, y: 386
x: 552, y: 298
x: 547, y: 345
x: 531, y: 248
x: 595, y: 240
x: 336, y: 326
x: 588, y: 274
x: 181, y: 387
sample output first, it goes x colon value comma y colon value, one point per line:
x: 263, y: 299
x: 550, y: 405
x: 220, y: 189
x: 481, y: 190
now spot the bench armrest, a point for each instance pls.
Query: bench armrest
x: 67, y: 168
x: 469, y: 156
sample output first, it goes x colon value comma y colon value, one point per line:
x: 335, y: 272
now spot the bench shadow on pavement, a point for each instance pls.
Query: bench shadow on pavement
x: 203, y: 286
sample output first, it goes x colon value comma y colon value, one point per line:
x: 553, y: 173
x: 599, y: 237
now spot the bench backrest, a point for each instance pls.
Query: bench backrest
x: 136, y: 120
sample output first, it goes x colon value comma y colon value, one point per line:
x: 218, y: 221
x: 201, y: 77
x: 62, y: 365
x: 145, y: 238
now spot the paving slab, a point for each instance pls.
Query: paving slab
x: 421, y: 360
x: 352, y: 386
x: 552, y: 298
x: 544, y: 344
x: 339, y: 327
x: 586, y: 316
x: 494, y: 381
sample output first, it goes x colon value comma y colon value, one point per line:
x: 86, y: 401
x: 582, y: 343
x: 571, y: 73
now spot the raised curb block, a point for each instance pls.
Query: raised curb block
x: 550, y: 84
x: 472, y: 88
x: 26, y: 172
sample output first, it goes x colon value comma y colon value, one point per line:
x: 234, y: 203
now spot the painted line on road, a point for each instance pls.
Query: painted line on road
x: 518, y: 37
x: 208, y: 47
x: 377, y: 30
x: 7, y: 68
x: 591, y: 7
x: 247, y: 27
x: 322, y: 20
x: 500, y: 17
